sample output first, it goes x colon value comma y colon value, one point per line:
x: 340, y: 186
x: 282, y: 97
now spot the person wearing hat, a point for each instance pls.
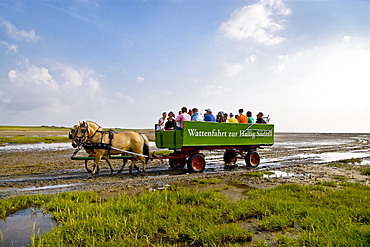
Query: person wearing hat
x: 209, y: 116
x: 232, y: 119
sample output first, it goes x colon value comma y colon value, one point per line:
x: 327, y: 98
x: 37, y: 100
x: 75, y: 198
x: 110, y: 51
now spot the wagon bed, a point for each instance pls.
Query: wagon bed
x: 236, y: 138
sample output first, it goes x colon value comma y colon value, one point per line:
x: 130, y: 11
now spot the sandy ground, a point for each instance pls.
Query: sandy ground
x: 293, y: 159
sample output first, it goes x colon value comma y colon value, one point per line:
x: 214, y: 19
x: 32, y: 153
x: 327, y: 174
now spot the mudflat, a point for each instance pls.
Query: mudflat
x: 302, y: 158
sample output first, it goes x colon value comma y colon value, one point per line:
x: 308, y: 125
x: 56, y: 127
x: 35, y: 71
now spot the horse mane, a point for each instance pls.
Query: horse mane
x: 94, y: 123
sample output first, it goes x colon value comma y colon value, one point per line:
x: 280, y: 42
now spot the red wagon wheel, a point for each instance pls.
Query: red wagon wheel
x: 177, y: 163
x: 196, y: 163
x: 252, y: 159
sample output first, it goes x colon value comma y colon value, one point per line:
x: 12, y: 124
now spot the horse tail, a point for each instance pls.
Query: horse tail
x: 146, y: 147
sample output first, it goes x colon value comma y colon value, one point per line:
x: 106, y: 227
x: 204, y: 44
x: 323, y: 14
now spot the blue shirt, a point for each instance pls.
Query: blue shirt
x: 196, y: 117
x: 210, y: 118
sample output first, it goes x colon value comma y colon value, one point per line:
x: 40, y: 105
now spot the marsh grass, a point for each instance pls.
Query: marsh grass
x: 33, y: 139
x: 365, y: 170
x: 346, y: 164
x: 13, y: 204
x: 162, y: 152
x: 205, y: 181
x: 258, y: 174
x: 32, y: 128
x: 298, y: 215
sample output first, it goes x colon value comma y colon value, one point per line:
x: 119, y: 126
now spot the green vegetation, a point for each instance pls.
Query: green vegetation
x: 296, y: 215
x: 162, y: 152
x: 205, y: 181
x: 17, y: 203
x: 33, y: 139
x: 32, y: 128
x: 365, y: 170
x: 258, y: 174
x: 346, y: 164
x: 340, y: 177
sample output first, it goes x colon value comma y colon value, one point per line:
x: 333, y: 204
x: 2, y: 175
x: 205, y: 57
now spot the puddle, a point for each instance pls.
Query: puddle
x: 279, y: 174
x: 18, y: 228
x: 36, y: 146
x: 162, y: 187
x: 46, y: 146
x: 59, y: 186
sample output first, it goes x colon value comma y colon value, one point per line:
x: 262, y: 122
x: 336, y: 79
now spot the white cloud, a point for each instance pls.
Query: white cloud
x: 9, y: 47
x: 346, y: 38
x: 140, y: 79
x: 255, y: 22
x: 231, y: 70
x: 14, y: 33
x: 129, y: 99
x: 33, y: 75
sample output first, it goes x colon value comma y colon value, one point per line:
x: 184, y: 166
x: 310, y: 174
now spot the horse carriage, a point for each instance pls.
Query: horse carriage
x: 238, y: 140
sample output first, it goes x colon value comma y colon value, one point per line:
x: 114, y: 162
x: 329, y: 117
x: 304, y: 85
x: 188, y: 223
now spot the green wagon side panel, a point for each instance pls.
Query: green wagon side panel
x: 216, y: 134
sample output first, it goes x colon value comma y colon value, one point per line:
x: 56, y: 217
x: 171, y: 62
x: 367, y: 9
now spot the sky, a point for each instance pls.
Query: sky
x: 306, y: 64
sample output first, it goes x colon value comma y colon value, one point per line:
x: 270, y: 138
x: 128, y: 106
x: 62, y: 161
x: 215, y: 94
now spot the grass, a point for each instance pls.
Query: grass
x: 204, y: 181
x: 258, y: 174
x: 38, y: 139
x: 296, y: 215
x: 33, y: 139
x: 14, y: 204
x: 365, y: 170
x: 346, y: 164
x: 162, y: 152
x: 32, y: 128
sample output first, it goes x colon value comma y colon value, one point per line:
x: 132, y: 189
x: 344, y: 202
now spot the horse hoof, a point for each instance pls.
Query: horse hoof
x: 119, y: 172
x: 90, y: 176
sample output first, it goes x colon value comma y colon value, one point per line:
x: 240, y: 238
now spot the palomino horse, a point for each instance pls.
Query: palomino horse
x: 89, y: 133
x: 73, y: 135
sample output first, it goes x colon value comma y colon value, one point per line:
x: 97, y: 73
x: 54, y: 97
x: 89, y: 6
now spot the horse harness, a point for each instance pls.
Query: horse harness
x: 88, y: 145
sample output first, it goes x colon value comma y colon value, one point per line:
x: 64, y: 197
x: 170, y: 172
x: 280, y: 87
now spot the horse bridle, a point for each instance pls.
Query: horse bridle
x: 84, y: 138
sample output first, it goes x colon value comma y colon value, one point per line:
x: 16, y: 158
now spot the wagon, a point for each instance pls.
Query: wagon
x: 238, y: 140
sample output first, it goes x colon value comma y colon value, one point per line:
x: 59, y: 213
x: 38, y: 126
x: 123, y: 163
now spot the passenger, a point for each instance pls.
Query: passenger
x: 260, y: 119
x: 242, y: 118
x: 196, y: 115
x: 171, y: 123
x: 209, y: 116
x: 225, y: 117
x: 182, y: 117
x: 162, y: 121
x: 232, y: 119
x: 250, y: 118
x: 190, y: 112
x: 220, y: 117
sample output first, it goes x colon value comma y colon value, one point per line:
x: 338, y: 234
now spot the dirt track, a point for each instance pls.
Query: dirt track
x: 298, y: 155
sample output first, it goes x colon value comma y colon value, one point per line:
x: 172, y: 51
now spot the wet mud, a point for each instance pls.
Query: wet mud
x: 294, y: 158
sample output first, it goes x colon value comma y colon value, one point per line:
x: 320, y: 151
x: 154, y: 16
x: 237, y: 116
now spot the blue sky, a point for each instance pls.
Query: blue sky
x: 122, y: 63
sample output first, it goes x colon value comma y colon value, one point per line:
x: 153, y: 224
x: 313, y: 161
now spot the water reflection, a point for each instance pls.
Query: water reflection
x: 18, y: 228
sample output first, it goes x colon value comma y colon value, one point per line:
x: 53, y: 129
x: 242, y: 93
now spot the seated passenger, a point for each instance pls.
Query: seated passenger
x: 171, y: 123
x: 182, y: 117
x: 250, y: 118
x: 196, y: 115
x: 220, y: 117
x: 232, y: 119
x: 161, y: 121
x: 209, y: 116
x: 260, y: 119
x: 242, y: 118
